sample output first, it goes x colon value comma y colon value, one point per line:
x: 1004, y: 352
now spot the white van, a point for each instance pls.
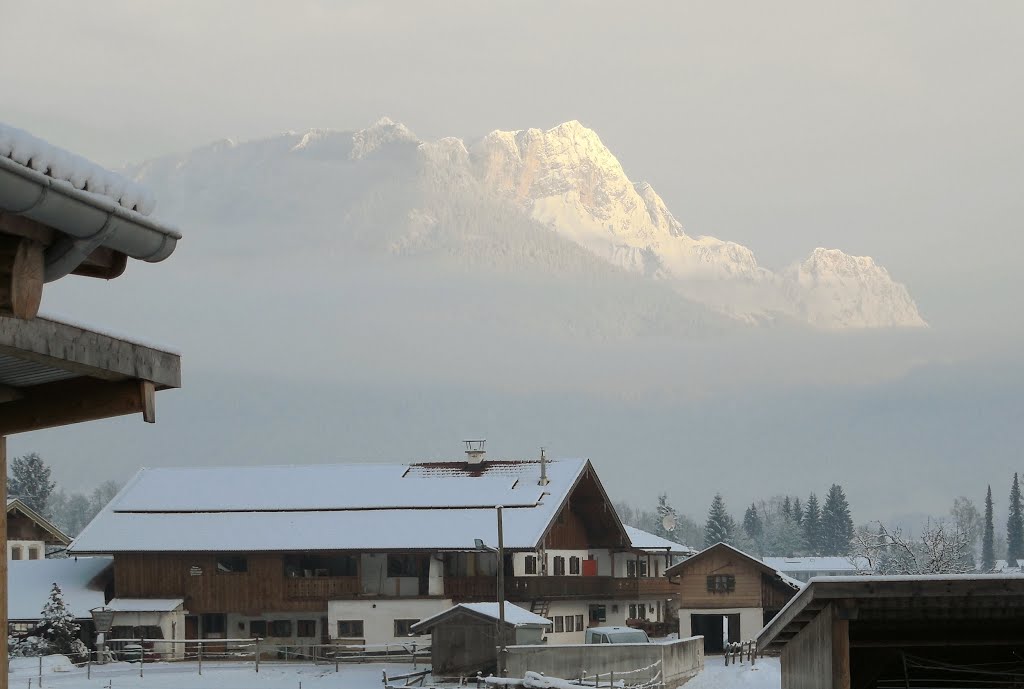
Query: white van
x: 616, y: 635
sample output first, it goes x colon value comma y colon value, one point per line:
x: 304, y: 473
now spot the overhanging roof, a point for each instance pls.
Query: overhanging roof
x: 16, y: 505
x: 54, y: 374
x: 895, y: 598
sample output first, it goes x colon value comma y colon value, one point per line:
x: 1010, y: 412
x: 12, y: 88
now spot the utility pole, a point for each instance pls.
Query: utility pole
x: 502, y: 650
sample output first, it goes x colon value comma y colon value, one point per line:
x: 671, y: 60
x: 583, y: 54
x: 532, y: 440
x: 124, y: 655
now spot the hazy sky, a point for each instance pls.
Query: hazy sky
x: 880, y: 128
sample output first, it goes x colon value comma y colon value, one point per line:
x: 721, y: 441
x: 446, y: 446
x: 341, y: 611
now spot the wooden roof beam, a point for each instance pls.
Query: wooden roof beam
x: 74, y: 401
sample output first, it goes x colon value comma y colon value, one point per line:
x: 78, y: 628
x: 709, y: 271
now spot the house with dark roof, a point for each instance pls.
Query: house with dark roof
x: 361, y: 552
x: 726, y: 595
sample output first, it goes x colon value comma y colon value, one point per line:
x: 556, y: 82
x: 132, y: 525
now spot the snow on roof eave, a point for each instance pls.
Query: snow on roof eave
x: 46, y: 524
x: 512, y: 613
x: 81, y: 214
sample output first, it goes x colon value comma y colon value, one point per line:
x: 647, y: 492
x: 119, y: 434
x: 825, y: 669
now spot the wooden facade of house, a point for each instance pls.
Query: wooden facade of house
x: 727, y: 595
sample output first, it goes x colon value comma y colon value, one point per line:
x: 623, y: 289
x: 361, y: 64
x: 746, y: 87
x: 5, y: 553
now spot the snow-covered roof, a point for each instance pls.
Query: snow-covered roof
x: 29, y: 583
x: 645, y: 540
x: 816, y: 564
x: 760, y: 564
x: 514, y: 615
x: 429, y: 506
x: 43, y: 157
x: 145, y: 604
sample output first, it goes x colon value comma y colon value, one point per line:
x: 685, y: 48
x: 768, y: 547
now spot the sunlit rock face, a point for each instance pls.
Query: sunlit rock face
x: 550, y: 202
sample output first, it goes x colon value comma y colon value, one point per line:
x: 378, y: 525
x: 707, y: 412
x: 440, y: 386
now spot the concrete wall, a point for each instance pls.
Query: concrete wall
x: 379, y: 617
x: 678, y: 661
x: 751, y: 620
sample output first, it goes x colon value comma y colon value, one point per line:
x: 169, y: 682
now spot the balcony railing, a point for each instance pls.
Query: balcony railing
x: 320, y: 588
x: 532, y: 588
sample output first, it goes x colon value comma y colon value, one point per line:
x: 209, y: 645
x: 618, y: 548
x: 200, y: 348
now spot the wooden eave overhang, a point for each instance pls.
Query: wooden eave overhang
x: 893, y: 598
x: 54, y: 374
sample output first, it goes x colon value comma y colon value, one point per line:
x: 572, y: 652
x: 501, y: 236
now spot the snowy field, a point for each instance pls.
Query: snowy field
x: 226, y: 675
x: 216, y: 675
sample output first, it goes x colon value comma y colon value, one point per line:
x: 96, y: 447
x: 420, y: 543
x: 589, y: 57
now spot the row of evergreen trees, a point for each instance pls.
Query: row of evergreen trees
x: 1014, y: 529
x: 787, y: 527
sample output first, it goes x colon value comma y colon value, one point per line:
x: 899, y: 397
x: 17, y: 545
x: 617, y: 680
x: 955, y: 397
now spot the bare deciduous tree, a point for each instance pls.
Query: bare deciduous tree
x: 942, y: 549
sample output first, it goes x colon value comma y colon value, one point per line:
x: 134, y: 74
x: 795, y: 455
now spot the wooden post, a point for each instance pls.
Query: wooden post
x: 200, y: 658
x: 258, y: 654
x: 502, y: 651
x: 3, y: 563
x: 142, y: 655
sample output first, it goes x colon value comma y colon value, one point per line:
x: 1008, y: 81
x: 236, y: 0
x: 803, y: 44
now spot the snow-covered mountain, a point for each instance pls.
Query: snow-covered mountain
x: 553, y: 203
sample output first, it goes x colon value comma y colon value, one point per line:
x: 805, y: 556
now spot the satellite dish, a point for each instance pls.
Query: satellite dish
x: 668, y: 522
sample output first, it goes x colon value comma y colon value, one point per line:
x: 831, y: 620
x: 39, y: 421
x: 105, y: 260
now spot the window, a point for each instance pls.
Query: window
x: 350, y: 629
x: 721, y: 583
x: 570, y: 623
x: 631, y: 569
x: 33, y: 553
x: 530, y: 566
x: 15, y: 552
x: 232, y: 564
x: 280, y: 628
x: 258, y: 628
x: 403, y: 627
x: 320, y: 566
x: 306, y: 629
x: 642, y: 611
x: 574, y: 565
x: 579, y: 623
x: 559, y: 565
x: 559, y: 624
x: 632, y: 611
x: 214, y: 623
x: 636, y: 568
x: 403, y: 566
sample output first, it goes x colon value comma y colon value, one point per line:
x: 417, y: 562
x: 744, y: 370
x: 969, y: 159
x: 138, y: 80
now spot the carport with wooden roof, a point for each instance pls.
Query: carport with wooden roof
x: 61, y: 215
x: 871, y: 632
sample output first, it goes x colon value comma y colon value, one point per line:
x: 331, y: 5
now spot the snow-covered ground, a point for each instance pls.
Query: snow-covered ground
x: 216, y: 675
x: 765, y: 674
x: 228, y: 675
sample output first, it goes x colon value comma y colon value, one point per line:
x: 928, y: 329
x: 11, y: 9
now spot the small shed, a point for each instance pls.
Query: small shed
x: 465, y: 637
x: 874, y: 632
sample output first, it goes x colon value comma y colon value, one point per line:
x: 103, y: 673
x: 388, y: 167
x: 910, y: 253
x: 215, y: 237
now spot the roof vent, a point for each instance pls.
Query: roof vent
x: 474, y: 452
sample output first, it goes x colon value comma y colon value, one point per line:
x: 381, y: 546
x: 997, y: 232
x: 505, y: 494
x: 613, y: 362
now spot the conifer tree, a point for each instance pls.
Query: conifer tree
x: 836, y: 523
x: 752, y: 523
x: 719, y: 526
x: 988, y: 550
x: 798, y: 511
x: 61, y: 630
x: 811, y: 525
x: 1015, y: 525
x: 787, y: 508
x: 666, y: 514
x: 30, y: 481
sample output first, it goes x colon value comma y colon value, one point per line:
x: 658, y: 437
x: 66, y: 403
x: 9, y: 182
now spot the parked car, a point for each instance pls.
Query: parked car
x: 616, y: 635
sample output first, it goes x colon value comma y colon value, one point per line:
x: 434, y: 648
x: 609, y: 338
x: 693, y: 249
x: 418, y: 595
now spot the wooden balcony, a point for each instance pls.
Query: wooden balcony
x: 534, y: 588
x: 320, y: 588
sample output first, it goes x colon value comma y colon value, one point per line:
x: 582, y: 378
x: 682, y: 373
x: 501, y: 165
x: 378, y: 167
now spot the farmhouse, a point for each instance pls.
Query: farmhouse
x: 29, y: 533
x: 84, y: 583
x: 901, y: 631
x: 304, y: 555
x: 727, y: 596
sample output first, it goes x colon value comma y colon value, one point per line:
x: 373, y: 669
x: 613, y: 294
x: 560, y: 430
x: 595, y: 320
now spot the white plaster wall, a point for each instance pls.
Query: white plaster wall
x: 562, y: 608
x: 23, y: 547
x: 604, y: 562
x: 751, y: 620
x: 379, y: 617
x: 238, y: 627
x: 581, y: 554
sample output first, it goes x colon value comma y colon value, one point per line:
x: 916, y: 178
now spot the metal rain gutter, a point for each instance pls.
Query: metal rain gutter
x: 89, y: 220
